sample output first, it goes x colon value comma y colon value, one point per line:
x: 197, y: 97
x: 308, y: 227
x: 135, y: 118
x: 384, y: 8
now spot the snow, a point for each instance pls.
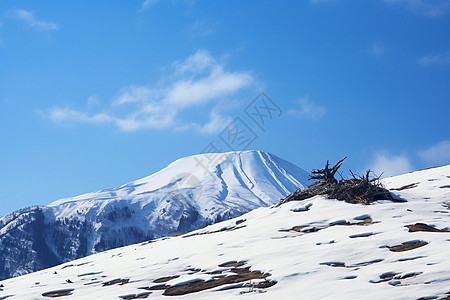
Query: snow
x: 214, y: 184
x: 190, y: 193
x: 300, y: 262
x: 228, y: 178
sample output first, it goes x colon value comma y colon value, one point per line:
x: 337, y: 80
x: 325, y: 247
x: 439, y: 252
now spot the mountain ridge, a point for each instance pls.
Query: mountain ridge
x: 317, y: 248
x: 186, y: 195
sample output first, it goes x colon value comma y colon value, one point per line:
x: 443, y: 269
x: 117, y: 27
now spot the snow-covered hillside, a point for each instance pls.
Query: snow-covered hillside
x: 312, y: 249
x: 189, y: 194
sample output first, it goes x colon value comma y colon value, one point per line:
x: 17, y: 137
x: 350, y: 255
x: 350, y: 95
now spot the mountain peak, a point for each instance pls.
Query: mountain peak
x: 188, y: 194
x: 319, y: 248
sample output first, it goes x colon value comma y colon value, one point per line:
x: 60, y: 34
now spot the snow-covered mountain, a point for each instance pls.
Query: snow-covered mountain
x: 317, y: 248
x: 189, y: 194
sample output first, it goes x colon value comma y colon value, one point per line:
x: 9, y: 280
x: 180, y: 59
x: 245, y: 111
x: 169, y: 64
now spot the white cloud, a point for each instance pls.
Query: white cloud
x: 60, y: 115
x: 429, y: 8
x: 147, y: 118
x: 216, y: 123
x: 148, y: 3
x: 197, y: 81
x: 134, y: 93
x: 31, y: 21
x: 438, y: 59
x: 377, y: 49
x: 438, y: 154
x: 195, y: 64
x: 218, y: 83
x: 390, y: 165
x: 307, y: 109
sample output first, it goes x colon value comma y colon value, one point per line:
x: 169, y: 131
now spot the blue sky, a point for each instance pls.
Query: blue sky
x: 94, y: 94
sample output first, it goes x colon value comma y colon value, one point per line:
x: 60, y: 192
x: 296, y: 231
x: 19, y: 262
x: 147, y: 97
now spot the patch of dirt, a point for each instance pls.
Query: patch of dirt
x: 240, y: 221
x: 252, y: 286
x: 310, y: 229
x: 217, y: 231
x: 116, y: 281
x: 410, y: 258
x: 423, y: 227
x: 147, y: 242
x: 366, y: 263
x: 242, y: 274
x: 89, y: 274
x: 72, y: 265
x: 408, y: 275
x: 214, y: 273
x: 193, y: 270
x: 343, y: 265
x: 406, y: 187
x: 58, y: 293
x: 264, y: 284
x: 306, y: 229
x: 176, y: 235
x: 157, y: 287
x: 334, y: 264
x: 92, y: 282
x: 363, y: 222
x: 395, y: 276
x: 68, y: 266
x: 136, y: 296
x: 366, y: 234
x: 388, y: 276
x: 235, y: 275
x: 297, y: 228
x: 232, y: 264
x: 300, y: 209
x: 406, y: 246
x: 165, y: 279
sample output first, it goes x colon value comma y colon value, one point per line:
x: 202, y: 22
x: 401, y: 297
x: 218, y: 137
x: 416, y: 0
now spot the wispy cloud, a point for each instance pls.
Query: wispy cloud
x: 390, y: 165
x: 307, y: 109
x: 196, y: 81
x: 437, y: 59
x: 215, y: 124
x: 31, y: 21
x: 92, y: 101
x: 376, y: 49
x: 429, y: 8
x: 148, y: 3
x: 438, y: 154
x: 60, y: 115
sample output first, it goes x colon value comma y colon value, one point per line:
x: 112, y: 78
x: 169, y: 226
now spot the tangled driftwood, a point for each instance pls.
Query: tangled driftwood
x: 359, y: 189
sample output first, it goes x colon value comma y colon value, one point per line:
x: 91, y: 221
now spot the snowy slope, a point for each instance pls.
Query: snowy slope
x: 189, y: 194
x: 312, y: 249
